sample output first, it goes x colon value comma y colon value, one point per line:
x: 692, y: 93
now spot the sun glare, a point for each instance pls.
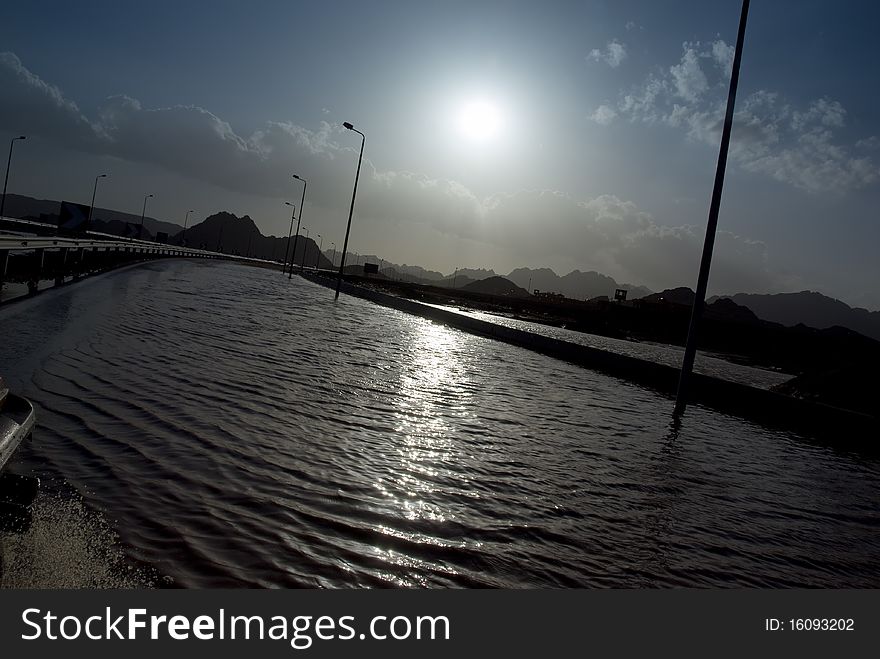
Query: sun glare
x: 480, y: 120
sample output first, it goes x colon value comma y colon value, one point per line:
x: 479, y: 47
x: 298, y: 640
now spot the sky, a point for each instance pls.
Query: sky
x: 570, y: 135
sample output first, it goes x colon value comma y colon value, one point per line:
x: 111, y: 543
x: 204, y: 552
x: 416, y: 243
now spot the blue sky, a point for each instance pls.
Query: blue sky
x: 597, y: 152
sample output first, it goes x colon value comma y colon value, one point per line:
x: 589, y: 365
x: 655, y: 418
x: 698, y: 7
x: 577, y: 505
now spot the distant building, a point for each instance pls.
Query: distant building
x: 620, y: 294
x: 552, y: 297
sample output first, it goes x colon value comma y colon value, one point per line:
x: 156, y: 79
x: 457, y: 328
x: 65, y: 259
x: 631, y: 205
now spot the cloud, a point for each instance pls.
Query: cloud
x: 689, y: 81
x: 31, y: 105
x: 799, y: 146
x: 871, y: 143
x: 613, y: 55
x: 605, y: 233
x: 603, y: 115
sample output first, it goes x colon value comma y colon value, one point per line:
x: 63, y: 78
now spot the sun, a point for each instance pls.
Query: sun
x: 480, y: 120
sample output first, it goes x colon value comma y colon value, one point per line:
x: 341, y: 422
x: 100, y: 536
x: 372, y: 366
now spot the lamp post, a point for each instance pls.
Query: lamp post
x: 143, y: 214
x: 92, y: 207
x: 301, y: 206
x: 185, y: 221
x: 349, y: 126
x: 302, y: 261
x: 290, y: 231
x: 8, y: 165
x: 712, y: 224
x: 318, y: 256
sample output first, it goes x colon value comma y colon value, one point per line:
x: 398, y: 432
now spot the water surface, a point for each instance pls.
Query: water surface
x: 231, y: 427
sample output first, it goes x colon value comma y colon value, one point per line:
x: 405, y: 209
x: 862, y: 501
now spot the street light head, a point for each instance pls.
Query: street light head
x: 287, y: 203
x: 348, y: 125
x: 102, y: 176
x: 149, y: 195
x: 21, y: 137
x: 297, y: 177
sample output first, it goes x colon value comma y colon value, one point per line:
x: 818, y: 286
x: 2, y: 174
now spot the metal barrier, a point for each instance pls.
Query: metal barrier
x: 32, y: 258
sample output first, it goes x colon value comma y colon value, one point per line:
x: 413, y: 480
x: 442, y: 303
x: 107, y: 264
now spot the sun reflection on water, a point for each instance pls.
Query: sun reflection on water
x: 434, y: 388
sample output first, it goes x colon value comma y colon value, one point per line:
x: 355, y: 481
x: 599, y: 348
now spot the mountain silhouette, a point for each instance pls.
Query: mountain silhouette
x: 576, y: 284
x: 496, y: 286
x: 810, y: 308
x: 230, y: 234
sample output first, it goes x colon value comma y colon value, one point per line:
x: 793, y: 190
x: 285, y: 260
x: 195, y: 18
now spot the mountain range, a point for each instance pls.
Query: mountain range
x: 240, y: 235
x: 809, y: 308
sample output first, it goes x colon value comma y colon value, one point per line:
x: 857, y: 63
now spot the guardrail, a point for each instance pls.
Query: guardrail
x: 61, y: 257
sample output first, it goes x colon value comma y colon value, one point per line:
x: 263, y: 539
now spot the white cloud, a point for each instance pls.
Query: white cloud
x: 603, y: 115
x: 688, y: 78
x: 723, y: 56
x: 613, y: 55
x: 797, y: 146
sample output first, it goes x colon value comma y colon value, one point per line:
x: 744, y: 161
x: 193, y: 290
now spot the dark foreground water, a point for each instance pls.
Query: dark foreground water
x: 216, y: 425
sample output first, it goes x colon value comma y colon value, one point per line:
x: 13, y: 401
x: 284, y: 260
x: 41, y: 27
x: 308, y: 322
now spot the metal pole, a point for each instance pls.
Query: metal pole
x: 289, y: 231
x: 706, y: 261
x: 302, y: 204
x: 302, y: 262
x: 8, y: 165
x: 350, y: 210
x: 92, y: 207
x: 185, y: 221
x: 143, y: 214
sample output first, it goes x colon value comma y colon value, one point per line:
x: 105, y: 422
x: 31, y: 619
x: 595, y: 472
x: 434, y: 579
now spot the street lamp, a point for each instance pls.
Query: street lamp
x: 8, y: 164
x: 318, y: 257
x: 92, y: 207
x: 290, y: 231
x: 302, y: 261
x: 301, y: 206
x: 185, y: 222
x: 143, y: 213
x: 349, y: 126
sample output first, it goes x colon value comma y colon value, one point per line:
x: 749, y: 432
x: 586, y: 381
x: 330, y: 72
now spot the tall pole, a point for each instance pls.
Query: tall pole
x: 350, y: 210
x: 302, y: 262
x: 185, y: 221
x: 289, y: 231
x: 318, y: 256
x: 143, y: 214
x: 709, y: 244
x: 302, y: 204
x: 8, y: 165
x: 92, y: 207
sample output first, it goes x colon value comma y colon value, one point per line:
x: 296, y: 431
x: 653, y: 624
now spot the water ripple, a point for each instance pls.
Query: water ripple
x: 236, y: 428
